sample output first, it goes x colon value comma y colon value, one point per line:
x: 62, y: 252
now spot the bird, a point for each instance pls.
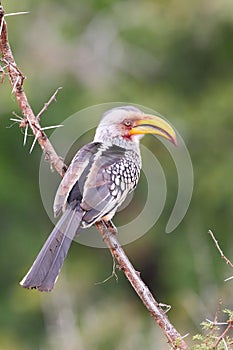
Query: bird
x: 97, y: 181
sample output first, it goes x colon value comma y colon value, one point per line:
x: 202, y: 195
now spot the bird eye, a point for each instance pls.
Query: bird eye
x: 128, y: 123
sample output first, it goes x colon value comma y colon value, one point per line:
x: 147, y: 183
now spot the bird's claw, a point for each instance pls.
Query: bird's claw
x: 111, y: 227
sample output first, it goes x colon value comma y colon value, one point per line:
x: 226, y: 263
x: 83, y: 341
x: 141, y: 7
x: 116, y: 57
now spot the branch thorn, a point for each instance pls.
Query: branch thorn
x: 25, y: 135
x: 34, y: 141
x: 17, y: 13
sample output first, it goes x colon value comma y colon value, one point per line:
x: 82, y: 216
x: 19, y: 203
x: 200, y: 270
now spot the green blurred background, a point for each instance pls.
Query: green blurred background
x: 175, y: 57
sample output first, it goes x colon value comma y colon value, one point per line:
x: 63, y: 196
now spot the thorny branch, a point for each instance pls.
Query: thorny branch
x: 221, y: 337
x: 16, y: 80
x: 213, y: 330
x: 155, y: 309
x: 30, y: 120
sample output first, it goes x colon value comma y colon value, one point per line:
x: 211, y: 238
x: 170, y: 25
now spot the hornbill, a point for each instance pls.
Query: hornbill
x: 98, y: 180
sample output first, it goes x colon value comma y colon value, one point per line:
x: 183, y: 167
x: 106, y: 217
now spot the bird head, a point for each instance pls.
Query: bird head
x: 128, y: 123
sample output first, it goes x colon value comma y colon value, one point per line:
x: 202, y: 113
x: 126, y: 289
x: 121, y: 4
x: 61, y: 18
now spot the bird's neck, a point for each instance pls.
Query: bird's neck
x: 120, y: 141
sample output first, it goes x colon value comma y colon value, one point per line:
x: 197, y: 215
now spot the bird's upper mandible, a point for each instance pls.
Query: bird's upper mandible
x: 104, y: 171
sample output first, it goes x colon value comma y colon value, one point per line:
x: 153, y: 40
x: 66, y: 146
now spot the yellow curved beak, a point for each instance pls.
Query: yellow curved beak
x: 151, y: 124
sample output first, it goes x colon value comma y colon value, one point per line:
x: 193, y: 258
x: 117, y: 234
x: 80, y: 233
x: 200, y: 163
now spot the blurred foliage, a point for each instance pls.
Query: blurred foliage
x: 172, y: 56
x: 215, y: 334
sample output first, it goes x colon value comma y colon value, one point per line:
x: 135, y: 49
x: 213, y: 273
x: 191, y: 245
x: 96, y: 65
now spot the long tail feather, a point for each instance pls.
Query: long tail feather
x: 45, y: 269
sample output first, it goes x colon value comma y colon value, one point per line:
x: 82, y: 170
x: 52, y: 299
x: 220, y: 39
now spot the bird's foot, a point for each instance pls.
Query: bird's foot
x: 111, y: 227
x: 107, y: 228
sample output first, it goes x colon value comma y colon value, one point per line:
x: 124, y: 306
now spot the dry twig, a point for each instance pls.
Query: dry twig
x: 228, y: 262
x: 46, y: 105
x: 16, y: 80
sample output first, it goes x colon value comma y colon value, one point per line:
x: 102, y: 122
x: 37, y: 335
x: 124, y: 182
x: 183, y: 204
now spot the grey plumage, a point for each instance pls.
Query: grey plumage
x: 45, y: 269
x: 96, y: 183
x: 89, y: 178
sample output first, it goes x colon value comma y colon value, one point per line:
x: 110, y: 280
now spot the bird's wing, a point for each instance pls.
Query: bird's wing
x: 112, y: 176
x: 98, y: 179
x: 80, y: 164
